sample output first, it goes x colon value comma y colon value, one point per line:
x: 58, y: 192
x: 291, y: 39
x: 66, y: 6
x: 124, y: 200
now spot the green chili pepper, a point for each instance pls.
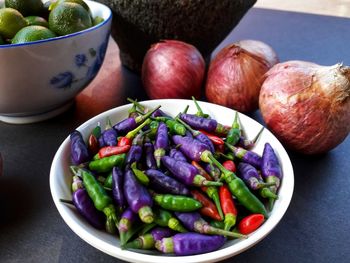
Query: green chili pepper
x: 238, y: 188
x: 174, y: 126
x: 153, y: 126
x: 107, y: 163
x: 102, y: 201
x: 140, y: 175
x: 166, y: 219
x: 234, y: 133
x: 217, y: 224
x: 177, y: 203
x: 108, y: 181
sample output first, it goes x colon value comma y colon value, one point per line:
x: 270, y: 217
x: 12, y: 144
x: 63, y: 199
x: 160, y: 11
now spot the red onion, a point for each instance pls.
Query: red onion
x: 236, y: 74
x: 173, y: 69
x: 307, y: 106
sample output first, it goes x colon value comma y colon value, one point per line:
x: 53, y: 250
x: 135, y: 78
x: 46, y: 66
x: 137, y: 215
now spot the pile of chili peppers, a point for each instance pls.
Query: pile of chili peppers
x: 181, y: 185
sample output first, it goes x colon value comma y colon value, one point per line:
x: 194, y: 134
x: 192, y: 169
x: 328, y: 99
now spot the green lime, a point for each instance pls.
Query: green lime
x: 11, y: 21
x: 26, y: 7
x: 36, y: 21
x: 80, y: 2
x: 68, y: 18
x: 97, y: 20
x: 32, y: 33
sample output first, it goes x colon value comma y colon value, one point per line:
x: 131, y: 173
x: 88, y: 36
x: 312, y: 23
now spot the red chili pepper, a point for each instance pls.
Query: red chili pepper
x: 208, y: 207
x: 250, y: 223
x: 229, y: 165
x: 228, y: 207
x: 122, y: 141
x: 219, y: 148
x: 215, y: 139
x: 211, y: 191
x: 113, y: 150
x: 201, y: 171
x: 93, y: 144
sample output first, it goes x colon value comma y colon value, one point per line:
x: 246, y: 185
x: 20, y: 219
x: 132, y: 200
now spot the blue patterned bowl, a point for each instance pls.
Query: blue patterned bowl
x: 40, y: 79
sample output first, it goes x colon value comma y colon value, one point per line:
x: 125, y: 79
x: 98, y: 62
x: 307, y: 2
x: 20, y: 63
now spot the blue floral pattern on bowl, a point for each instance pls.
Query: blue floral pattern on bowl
x: 65, y: 79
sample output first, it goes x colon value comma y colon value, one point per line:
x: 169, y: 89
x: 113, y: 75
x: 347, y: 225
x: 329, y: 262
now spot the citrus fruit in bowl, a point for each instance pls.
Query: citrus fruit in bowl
x: 49, y: 56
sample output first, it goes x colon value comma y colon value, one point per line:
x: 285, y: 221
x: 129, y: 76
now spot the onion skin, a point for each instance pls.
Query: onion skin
x: 307, y: 106
x: 237, y: 72
x: 173, y: 69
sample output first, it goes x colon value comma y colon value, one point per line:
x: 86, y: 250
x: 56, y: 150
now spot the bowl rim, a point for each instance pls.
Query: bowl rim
x: 221, y: 254
x: 93, y: 28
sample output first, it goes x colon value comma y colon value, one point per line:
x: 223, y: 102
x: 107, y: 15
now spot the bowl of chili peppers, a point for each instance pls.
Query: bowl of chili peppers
x: 175, y: 180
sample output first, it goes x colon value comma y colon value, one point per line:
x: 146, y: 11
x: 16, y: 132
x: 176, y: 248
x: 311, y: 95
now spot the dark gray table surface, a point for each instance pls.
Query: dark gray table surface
x: 315, y: 227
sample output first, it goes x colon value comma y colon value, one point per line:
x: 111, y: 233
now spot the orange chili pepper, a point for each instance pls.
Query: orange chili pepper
x: 215, y: 139
x: 112, y: 150
x: 208, y: 207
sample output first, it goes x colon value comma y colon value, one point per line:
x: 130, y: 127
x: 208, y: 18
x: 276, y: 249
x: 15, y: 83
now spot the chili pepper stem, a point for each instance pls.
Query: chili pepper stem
x: 216, y: 200
x: 175, y: 224
x: 137, y: 104
x: 70, y: 202
x: 256, y: 138
x: 201, y: 181
x: 208, y: 157
x: 158, y: 154
x: 165, y: 245
x: 200, y: 112
x: 132, y: 134
x: 142, y: 118
x: 267, y: 193
x: 208, y: 229
x: 146, y: 214
x: 230, y: 221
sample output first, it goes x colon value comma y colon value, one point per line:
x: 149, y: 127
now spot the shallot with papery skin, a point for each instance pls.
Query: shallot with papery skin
x: 306, y: 105
x: 236, y: 74
x: 173, y: 69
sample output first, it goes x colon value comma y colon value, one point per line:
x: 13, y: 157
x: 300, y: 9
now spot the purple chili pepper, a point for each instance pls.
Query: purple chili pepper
x: 177, y: 155
x: 110, y: 137
x: 199, y: 123
x: 190, y: 147
x: 195, y: 223
x: 245, y: 155
x: 150, y: 161
x: 199, y: 136
x: 165, y: 184
x: 212, y: 170
x: 137, y: 196
x: 184, y: 244
x: 148, y: 240
x: 117, y: 188
x: 161, y: 143
x: 186, y: 173
x: 250, y: 175
x: 127, y: 219
x: 101, y: 142
x: 271, y: 170
x: 131, y: 123
x: 78, y: 148
x: 86, y: 208
x: 135, y: 152
x: 125, y: 125
x: 159, y: 113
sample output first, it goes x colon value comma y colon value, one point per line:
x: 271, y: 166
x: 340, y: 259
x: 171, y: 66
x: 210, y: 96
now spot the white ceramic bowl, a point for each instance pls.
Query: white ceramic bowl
x: 60, y: 181
x: 40, y: 79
